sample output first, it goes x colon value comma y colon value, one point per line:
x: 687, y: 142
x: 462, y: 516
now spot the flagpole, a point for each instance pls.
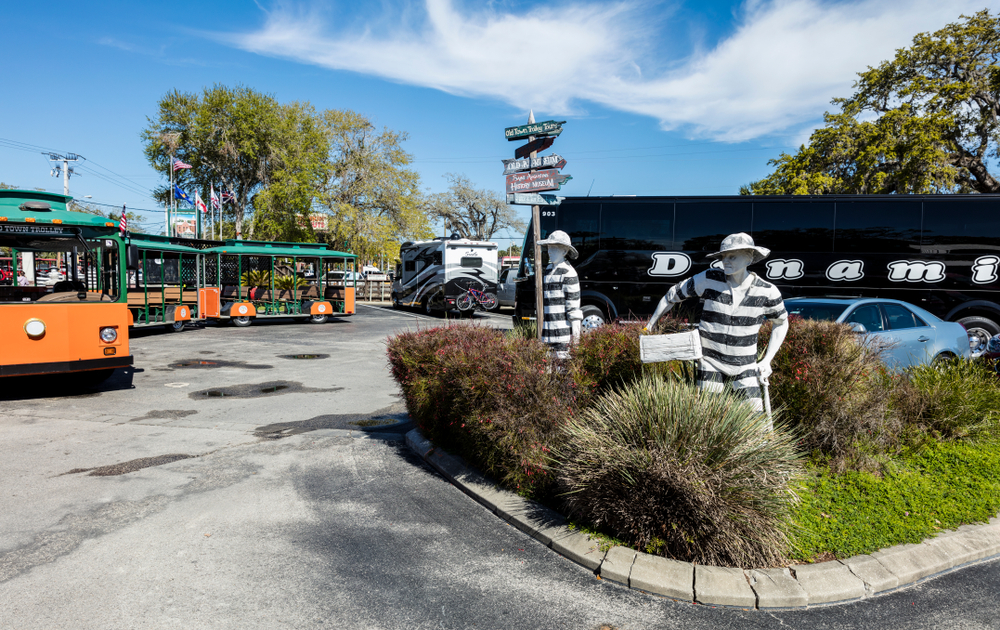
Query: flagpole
x: 170, y: 200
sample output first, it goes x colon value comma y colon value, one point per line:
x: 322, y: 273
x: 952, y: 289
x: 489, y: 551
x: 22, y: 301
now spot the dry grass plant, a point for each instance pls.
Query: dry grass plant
x: 682, y: 473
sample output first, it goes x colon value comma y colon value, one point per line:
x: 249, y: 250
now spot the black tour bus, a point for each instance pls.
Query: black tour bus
x: 940, y: 252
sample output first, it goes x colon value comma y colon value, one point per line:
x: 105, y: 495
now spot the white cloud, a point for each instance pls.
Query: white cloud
x: 776, y: 71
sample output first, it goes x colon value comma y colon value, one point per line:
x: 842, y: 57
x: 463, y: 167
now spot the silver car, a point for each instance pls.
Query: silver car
x: 913, y: 336
x: 505, y: 286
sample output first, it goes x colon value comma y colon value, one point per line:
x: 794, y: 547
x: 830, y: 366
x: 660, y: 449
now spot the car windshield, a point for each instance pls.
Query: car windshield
x: 816, y: 310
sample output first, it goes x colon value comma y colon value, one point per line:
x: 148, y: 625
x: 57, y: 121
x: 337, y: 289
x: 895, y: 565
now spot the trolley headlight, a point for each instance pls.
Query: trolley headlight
x: 35, y: 328
x: 108, y: 334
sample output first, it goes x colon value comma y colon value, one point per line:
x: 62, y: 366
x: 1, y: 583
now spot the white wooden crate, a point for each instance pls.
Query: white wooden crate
x: 685, y: 346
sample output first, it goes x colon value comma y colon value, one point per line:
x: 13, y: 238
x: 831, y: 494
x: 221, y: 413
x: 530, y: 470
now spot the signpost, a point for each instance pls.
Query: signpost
x: 523, y: 187
x: 535, y: 145
x: 536, y: 181
x: 533, y: 199
x: 526, y: 164
x: 547, y: 128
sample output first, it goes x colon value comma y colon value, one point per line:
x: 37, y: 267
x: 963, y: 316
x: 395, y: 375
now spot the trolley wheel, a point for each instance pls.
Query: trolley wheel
x: 490, y: 302
x: 318, y: 319
x: 175, y: 327
x: 241, y: 321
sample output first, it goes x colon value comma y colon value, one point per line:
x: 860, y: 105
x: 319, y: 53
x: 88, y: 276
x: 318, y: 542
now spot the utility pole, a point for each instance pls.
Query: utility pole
x: 66, y: 170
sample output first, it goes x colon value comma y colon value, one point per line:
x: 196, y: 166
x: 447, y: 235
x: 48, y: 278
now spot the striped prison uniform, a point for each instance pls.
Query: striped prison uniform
x: 561, y: 303
x: 729, y: 331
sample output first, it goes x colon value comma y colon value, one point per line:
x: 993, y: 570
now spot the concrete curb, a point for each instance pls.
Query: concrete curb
x: 799, y: 586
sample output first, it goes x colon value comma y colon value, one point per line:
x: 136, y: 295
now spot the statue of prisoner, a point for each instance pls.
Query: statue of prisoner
x: 560, y: 296
x: 736, y: 304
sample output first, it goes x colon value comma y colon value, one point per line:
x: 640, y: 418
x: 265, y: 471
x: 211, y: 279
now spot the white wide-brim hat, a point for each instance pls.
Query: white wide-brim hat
x: 562, y: 239
x: 736, y: 242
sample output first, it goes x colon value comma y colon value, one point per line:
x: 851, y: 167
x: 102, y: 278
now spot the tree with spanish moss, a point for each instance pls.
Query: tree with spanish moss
x: 927, y: 121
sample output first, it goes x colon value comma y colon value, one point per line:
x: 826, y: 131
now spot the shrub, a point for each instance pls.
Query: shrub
x: 680, y: 472
x: 832, y: 384
x: 608, y: 357
x: 953, y: 399
x: 494, y: 400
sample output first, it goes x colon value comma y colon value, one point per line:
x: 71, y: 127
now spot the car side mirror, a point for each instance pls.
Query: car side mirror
x: 858, y: 327
x: 132, y: 257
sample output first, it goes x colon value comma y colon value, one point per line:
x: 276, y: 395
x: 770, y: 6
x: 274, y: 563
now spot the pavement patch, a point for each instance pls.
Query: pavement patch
x: 130, y: 466
x: 166, y: 414
x: 392, y: 416
x: 259, y: 390
x: 202, y: 364
x: 303, y: 356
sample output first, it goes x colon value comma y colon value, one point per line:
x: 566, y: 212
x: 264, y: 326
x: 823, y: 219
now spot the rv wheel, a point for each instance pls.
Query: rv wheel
x: 593, y: 318
x: 426, y: 304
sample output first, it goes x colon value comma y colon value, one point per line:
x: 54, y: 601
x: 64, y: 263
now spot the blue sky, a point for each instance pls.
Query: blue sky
x: 686, y: 98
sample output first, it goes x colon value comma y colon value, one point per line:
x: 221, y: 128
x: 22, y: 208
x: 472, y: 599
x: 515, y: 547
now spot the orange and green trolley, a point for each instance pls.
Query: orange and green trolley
x: 167, y: 287
x: 260, y: 279
x: 71, y: 318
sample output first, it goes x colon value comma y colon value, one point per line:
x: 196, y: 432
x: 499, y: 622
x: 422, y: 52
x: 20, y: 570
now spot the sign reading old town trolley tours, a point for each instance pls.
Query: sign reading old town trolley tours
x: 526, y: 164
x: 546, y: 128
x: 549, y: 179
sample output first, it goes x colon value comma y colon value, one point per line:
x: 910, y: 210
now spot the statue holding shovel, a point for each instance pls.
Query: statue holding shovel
x: 737, y: 303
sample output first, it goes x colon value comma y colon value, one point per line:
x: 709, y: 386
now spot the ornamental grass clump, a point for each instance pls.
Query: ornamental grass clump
x: 492, y: 399
x: 833, y: 386
x: 683, y: 473
x: 955, y: 399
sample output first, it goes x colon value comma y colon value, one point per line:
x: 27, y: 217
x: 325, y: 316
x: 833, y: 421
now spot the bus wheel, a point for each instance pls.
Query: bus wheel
x: 317, y: 319
x: 593, y: 318
x: 241, y: 321
x: 175, y: 327
x: 980, y: 329
x: 427, y: 307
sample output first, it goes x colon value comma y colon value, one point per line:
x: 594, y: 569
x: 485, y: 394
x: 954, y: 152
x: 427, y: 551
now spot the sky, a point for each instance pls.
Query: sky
x: 659, y: 98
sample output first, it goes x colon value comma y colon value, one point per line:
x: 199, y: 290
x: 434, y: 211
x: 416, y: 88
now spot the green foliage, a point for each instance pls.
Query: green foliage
x: 953, y: 399
x: 289, y: 282
x: 370, y: 192
x: 928, y: 121
x: 940, y: 486
x: 255, y: 278
x: 608, y: 357
x: 832, y: 385
x: 689, y: 474
x: 492, y: 399
x: 471, y: 212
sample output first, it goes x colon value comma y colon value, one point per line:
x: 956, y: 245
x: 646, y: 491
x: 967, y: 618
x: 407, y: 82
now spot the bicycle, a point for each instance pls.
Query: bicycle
x: 474, y: 298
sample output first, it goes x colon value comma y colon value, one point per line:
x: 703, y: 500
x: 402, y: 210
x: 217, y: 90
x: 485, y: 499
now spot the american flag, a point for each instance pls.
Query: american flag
x: 179, y: 165
x: 123, y: 223
x: 228, y: 197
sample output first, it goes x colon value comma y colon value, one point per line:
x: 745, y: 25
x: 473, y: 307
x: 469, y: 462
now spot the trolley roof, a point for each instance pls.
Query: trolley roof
x: 159, y: 243
x: 44, y: 208
x: 285, y: 250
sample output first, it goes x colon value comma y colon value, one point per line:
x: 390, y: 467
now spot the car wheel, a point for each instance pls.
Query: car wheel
x: 318, y: 319
x: 979, y: 329
x: 241, y: 321
x: 942, y: 358
x: 593, y: 317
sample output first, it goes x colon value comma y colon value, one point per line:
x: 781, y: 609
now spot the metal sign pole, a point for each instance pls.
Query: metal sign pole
x: 539, y: 270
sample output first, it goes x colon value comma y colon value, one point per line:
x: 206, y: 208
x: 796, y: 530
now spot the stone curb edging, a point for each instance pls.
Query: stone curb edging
x: 823, y: 583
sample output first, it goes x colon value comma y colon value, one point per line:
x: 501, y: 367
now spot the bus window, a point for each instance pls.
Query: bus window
x: 951, y: 223
x: 702, y: 226
x: 886, y: 226
x: 583, y: 224
x: 794, y: 226
x: 639, y: 226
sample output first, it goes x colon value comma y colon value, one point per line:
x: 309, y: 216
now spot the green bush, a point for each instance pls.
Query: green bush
x: 833, y: 386
x: 680, y: 472
x: 608, y: 357
x: 952, y: 399
x: 494, y: 400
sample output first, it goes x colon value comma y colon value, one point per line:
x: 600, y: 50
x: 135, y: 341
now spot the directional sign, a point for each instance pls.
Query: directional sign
x: 526, y: 164
x: 533, y: 199
x: 549, y: 179
x: 547, y: 128
x: 535, y: 145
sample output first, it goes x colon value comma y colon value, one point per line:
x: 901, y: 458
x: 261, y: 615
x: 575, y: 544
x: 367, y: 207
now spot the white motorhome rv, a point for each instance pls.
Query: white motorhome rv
x: 433, y: 275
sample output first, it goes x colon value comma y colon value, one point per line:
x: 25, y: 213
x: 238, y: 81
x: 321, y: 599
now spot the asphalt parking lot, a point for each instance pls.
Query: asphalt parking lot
x: 256, y: 478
